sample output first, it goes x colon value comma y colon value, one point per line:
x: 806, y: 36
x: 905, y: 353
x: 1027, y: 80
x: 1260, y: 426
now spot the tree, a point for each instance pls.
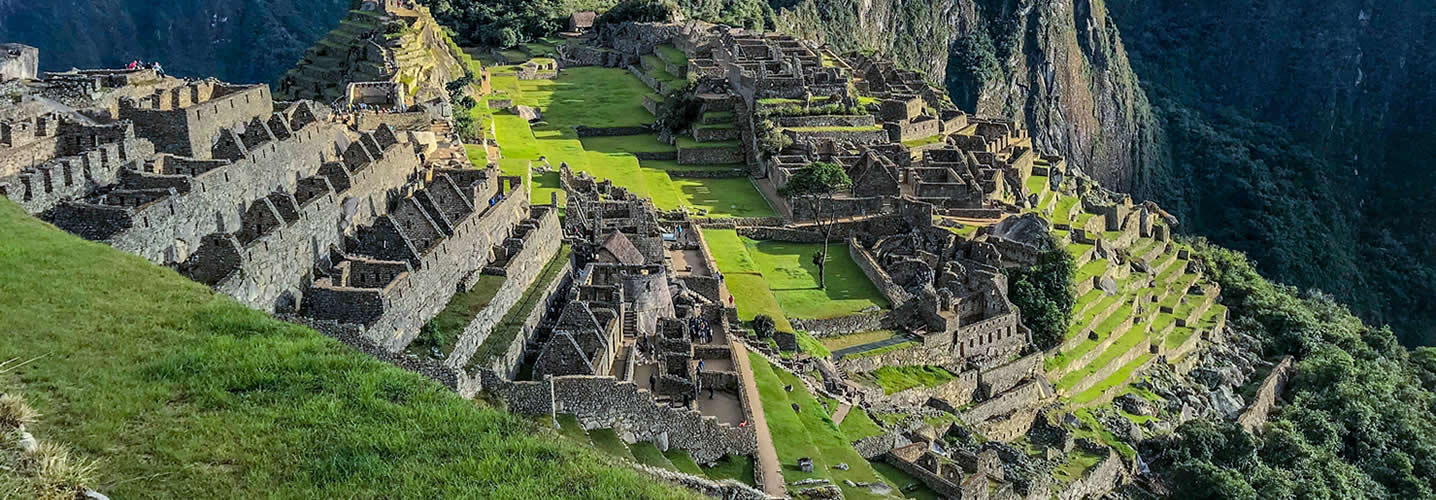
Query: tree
x: 1045, y: 293
x: 815, y: 187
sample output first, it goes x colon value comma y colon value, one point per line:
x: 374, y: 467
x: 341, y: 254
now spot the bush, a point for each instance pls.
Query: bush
x: 764, y: 326
x: 638, y: 11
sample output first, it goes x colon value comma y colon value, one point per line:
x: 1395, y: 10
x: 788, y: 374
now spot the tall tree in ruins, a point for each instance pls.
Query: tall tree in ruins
x: 814, y: 188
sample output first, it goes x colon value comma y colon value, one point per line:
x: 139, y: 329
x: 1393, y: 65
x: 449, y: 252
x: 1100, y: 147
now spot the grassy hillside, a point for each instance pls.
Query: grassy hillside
x: 186, y: 394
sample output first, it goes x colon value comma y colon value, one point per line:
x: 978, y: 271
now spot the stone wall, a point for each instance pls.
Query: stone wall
x: 726, y: 489
x: 825, y: 121
x: 43, y: 187
x: 610, y: 131
x: 1023, y: 396
x: 710, y: 155
x: 547, y: 300
x: 860, y: 322
x: 714, y: 134
x: 838, y: 207
x: 1005, y: 377
x: 766, y: 233
x: 915, y: 355
x: 1099, y: 480
x: 957, y: 392
x: 606, y: 402
x: 855, y: 135
x: 539, y: 247
x: 1254, y: 417
x: 184, y: 121
x: 875, y: 273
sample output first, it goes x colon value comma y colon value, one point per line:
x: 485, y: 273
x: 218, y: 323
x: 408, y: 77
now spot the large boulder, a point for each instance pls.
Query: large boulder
x: 1027, y: 229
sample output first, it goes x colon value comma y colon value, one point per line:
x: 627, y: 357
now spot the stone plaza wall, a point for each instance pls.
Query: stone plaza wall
x: 853, y: 323
x: 539, y: 247
x: 606, y: 402
x: 875, y: 273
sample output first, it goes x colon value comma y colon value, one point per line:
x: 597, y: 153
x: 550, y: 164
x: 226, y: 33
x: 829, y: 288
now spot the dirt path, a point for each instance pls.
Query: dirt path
x: 768, y: 463
x: 841, y: 413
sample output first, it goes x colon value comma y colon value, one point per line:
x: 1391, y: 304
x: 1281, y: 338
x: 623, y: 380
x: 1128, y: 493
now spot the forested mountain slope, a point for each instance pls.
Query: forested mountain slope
x: 233, y: 40
x: 1301, y: 133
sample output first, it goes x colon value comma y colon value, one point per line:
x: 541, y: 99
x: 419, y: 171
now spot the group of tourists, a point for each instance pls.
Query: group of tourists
x: 138, y: 65
x: 701, y: 330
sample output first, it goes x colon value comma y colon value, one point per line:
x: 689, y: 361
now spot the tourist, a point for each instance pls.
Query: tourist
x: 158, y: 70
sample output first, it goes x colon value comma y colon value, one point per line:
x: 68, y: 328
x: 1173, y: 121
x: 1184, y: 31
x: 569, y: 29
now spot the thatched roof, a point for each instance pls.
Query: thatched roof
x: 623, y: 250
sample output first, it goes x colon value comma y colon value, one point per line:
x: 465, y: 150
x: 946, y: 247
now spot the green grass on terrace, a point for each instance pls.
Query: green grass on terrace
x: 901, y: 480
x: 443, y: 331
x: 672, y: 55
x: 1118, y: 377
x: 683, y: 462
x: 895, y: 379
x: 183, y: 393
x: 626, y: 144
x: 932, y: 139
x: 1123, y: 344
x: 498, y: 341
x: 810, y: 345
x: 807, y: 433
x: 647, y: 454
x: 1078, y: 461
x: 686, y: 142
x: 1037, y: 184
x: 735, y: 467
x: 883, y: 350
x: 858, y: 425
x: 1091, y: 270
x: 1065, y: 206
x: 793, y: 277
x: 608, y: 441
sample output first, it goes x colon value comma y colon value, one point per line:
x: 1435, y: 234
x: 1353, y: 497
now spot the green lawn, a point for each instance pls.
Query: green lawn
x: 672, y: 55
x: 648, y: 454
x: 895, y: 379
x: 606, y: 97
x: 608, y: 441
x: 793, y: 277
x: 738, y: 468
x: 186, y: 394
x: 858, y: 425
x: 443, y: 331
x: 683, y: 462
x: 901, y: 479
x: 807, y: 433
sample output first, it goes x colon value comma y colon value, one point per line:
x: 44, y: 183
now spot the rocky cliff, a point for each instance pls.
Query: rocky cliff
x: 1057, y: 66
x: 234, y: 40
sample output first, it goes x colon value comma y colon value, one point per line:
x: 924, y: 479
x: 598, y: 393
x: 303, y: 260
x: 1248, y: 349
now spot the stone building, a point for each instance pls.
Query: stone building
x: 19, y: 62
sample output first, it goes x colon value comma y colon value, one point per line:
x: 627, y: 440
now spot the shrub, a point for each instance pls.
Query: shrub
x: 1045, y: 293
x: 764, y: 326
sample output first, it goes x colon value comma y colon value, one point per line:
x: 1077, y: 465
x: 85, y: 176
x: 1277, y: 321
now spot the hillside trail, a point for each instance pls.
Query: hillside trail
x: 768, y: 463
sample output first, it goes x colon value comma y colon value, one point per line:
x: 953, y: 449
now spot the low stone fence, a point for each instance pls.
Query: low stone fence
x: 1254, y: 417
x: 583, y: 131
x: 710, y: 155
x: 606, y: 402
x: 772, y: 233
x: 915, y: 355
x: 656, y: 155
x: 853, y: 323
x: 714, y: 134
x: 825, y: 121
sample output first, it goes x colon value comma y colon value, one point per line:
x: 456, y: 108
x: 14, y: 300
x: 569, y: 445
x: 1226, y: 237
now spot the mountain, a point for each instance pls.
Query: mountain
x: 234, y: 40
x: 1300, y: 133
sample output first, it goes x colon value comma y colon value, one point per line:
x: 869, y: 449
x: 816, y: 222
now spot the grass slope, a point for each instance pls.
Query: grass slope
x: 186, y: 394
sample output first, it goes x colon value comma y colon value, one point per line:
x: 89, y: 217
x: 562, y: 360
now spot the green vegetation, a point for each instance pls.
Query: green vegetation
x: 497, y: 343
x: 793, y: 276
x: 169, y: 371
x: 739, y: 468
x: 807, y: 433
x: 1078, y: 461
x: 810, y: 345
x: 646, y: 453
x: 901, y: 480
x: 884, y: 350
x: 857, y: 425
x: 608, y: 441
x: 683, y: 462
x: 440, y: 334
x: 497, y: 23
x: 1358, y: 424
x: 1045, y: 292
x: 895, y: 379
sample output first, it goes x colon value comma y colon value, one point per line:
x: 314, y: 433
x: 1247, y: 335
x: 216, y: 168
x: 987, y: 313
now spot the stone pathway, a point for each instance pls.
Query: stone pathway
x: 894, y: 340
x: 768, y: 463
x: 842, y: 413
